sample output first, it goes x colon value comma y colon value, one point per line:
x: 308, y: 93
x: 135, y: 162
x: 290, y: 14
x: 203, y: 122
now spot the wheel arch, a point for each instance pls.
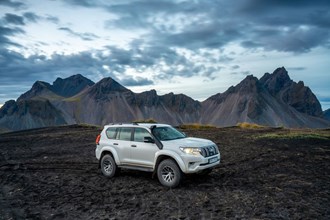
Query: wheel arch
x: 112, y: 152
x: 169, y: 155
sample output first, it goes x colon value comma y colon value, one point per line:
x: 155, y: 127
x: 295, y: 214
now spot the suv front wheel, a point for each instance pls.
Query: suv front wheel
x: 108, y: 166
x: 169, y: 174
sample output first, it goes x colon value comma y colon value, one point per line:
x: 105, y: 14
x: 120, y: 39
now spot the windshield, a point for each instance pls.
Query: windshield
x: 167, y: 133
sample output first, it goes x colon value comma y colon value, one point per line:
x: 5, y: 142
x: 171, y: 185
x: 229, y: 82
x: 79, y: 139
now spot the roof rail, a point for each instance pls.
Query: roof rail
x: 120, y: 123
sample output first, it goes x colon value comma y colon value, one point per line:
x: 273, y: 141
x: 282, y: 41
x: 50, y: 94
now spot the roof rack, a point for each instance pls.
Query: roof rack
x: 120, y: 123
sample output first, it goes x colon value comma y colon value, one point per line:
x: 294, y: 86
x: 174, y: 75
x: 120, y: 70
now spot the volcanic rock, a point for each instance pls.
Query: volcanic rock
x: 294, y: 94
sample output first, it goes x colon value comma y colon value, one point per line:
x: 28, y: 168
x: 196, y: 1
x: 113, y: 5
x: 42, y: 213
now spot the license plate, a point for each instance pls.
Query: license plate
x: 213, y: 160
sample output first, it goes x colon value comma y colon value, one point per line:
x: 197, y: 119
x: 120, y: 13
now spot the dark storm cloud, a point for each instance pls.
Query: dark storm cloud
x: 280, y: 25
x: 290, y: 26
x: 293, y: 39
x: 6, y: 33
x: 203, y: 37
x: 83, y: 3
x: 39, y: 67
x: 83, y: 36
x: 261, y: 5
x: 120, y: 56
x: 32, y: 17
x: 52, y: 19
x: 13, y: 4
x: 14, y: 19
x: 145, y: 8
x: 138, y: 81
x: 21, y: 72
x: 235, y: 67
x: 151, y: 56
x: 201, y: 33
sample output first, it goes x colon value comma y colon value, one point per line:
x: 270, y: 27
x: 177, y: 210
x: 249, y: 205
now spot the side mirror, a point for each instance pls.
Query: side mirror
x: 148, y: 140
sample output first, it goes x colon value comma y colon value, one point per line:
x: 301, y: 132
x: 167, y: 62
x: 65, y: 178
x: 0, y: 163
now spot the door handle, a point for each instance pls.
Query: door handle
x: 115, y: 143
x: 133, y: 145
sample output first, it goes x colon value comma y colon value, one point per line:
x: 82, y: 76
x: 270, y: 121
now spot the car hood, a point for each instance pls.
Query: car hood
x: 187, y: 142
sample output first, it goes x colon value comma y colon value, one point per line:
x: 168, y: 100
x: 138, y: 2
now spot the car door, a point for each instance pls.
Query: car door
x: 142, y: 154
x: 122, y: 144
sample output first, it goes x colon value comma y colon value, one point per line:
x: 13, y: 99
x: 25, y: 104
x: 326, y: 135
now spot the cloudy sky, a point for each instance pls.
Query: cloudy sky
x: 195, y: 47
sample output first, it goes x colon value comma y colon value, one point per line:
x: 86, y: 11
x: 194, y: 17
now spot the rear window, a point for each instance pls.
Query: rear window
x: 111, y: 133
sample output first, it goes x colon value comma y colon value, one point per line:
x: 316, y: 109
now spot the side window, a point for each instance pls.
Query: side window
x: 140, y: 133
x: 124, y: 134
x: 111, y: 133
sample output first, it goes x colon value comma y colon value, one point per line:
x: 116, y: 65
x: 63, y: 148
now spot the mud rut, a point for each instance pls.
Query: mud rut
x: 52, y: 174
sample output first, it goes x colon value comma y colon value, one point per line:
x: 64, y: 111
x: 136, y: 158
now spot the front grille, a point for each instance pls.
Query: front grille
x: 208, y: 151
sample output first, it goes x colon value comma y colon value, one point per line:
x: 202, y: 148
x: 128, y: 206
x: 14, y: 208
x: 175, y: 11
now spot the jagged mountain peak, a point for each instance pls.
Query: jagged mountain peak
x: 281, y: 73
x: 150, y: 93
x: 71, y: 86
x: 105, y: 87
x: 76, y: 77
x: 276, y: 81
x: 7, y: 108
x: 250, y: 84
x: 297, y: 95
x: 109, y: 84
x: 41, y: 84
x: 38, y: 88
x: 66, y: 87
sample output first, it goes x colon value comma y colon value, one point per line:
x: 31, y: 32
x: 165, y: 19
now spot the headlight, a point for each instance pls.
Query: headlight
x: 191, y: 150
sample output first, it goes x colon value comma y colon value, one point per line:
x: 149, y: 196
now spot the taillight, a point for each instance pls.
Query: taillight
x: 97, y: 141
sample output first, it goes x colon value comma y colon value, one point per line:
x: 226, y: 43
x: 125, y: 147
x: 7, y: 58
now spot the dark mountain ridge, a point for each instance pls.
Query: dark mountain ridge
x: 61, y: 88
x: 294, y: 94
x: 274, y: 100
x: 71, y: 86
x: 105, y: 87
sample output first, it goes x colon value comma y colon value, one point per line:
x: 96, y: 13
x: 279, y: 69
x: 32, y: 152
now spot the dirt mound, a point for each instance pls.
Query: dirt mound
x: 52, y: 173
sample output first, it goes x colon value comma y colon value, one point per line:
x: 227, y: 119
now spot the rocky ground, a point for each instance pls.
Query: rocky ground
x: 265, y: 173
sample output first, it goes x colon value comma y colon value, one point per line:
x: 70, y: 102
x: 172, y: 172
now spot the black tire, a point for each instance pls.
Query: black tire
x: 169, y: 173
x: 108, y: 166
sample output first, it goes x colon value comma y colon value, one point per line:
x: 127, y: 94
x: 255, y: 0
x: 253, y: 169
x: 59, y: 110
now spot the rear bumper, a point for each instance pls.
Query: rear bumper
x: 97, y: 152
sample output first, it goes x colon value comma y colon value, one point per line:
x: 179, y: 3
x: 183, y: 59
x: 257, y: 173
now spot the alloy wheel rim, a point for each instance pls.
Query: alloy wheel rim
x: 168, y: 174
x: 107, y: 166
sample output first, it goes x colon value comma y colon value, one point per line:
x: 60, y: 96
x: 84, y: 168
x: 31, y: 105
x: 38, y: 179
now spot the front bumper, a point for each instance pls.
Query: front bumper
x: 195, y: 164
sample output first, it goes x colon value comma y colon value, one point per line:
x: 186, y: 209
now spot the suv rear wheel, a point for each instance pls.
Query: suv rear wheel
x: 169, y: 174
x: 108, y: 166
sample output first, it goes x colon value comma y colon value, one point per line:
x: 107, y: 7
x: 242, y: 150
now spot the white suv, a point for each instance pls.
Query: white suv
x: 158, y: 148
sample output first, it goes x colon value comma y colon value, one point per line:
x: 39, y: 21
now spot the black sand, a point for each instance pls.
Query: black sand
x: 52, y: 173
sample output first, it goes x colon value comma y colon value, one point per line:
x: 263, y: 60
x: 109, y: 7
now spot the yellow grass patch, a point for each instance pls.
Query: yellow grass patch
x: 249, y: 125
x: 196, y: 126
